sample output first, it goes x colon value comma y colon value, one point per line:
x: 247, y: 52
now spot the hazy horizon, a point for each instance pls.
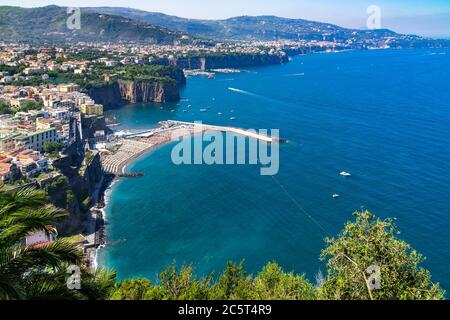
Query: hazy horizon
x: 431, y: 19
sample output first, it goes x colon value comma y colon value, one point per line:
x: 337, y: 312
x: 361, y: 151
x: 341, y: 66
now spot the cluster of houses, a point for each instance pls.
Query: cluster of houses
x: 22, y: 163
x: 24, y: 134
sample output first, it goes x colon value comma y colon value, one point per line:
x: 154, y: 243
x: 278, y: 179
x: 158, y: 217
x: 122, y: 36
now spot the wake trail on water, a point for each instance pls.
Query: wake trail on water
x: 242, y: 91
x: 259, y: 96
x: 295, y: 74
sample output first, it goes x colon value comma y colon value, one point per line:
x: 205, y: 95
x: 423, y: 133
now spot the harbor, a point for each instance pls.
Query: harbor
x: 131, y: 145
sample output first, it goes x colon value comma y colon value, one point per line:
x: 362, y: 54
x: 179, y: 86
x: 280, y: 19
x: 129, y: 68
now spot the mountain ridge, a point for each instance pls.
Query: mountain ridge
x: 264, y: 27
x: 116, y: 24
x: 48, y: 24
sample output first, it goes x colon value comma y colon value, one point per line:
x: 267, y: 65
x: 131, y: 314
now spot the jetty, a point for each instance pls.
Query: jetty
x: 200, y: 127
x: 134, y: 144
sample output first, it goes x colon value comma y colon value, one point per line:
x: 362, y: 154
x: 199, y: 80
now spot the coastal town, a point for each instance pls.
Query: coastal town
x: 210, y: 150
x: 41, y: 103
x: 53, y: 131
x: 39, y: 111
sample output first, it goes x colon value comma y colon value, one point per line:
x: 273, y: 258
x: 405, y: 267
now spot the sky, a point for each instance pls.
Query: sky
x: 425, y: 17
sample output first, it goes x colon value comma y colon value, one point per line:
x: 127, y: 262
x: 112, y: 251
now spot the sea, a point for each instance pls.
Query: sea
x: 381, y: 115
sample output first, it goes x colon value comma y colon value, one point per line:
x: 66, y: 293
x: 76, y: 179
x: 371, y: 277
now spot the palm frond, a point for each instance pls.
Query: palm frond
x: 50, y: 255
x: 97, y: 285
x: 18, y: 225
x: 13, y: 200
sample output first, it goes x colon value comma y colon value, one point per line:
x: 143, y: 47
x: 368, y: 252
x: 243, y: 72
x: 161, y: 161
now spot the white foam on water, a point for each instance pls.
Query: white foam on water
x: 241, y: 91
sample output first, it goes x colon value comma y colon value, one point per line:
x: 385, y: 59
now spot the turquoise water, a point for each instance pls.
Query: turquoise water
x: 384, y: 116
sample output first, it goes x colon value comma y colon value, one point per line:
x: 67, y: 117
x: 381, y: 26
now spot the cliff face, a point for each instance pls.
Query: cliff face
x: 74, y: 192
x: 108, y: 95
x: 136, y: 91
x: 142, y: 91
x: 123, y: 91
x: 229, y: 61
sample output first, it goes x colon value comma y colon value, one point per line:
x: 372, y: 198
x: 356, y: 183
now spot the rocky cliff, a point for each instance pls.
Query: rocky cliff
x: 81, y: 177
x: 143, y: 91
x: 75, y: 189
x: 127, y: 91
x: 135, y: 91
x: 229, y: 61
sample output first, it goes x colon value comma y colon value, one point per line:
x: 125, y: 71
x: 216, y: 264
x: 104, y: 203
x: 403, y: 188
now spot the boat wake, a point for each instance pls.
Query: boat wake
x: 259, y: 96
x: 241, y: 91
x: 296, y: 74
x: 436, y: 54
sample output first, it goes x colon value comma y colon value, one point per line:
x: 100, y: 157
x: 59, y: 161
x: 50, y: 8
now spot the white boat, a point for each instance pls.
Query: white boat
x: 336, y: 195
x: 203, y: 110
x: 345, y: 174
x: 219, y: 113
x: 233, y: 118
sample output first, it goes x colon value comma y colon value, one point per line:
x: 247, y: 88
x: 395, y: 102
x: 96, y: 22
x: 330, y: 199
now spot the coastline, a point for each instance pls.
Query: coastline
x: 107, y: 187
x: 150, y: 142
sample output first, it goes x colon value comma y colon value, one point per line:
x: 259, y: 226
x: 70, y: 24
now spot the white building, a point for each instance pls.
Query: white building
x: 40, y: 237
x: 60, y: 113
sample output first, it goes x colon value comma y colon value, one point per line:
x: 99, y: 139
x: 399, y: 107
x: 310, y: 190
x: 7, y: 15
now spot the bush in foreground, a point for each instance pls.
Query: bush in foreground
x: 363, y: 247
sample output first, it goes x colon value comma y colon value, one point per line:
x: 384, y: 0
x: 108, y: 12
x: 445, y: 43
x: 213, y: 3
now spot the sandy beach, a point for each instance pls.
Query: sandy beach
x: 131, y: 148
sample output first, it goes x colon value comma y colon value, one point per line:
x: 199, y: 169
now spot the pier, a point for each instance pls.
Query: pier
x: 200, y: 127
x: 135, y: 144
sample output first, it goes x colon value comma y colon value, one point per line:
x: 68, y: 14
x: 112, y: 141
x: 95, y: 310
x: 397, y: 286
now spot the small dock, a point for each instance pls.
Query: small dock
x: 135, y: 144
x: 203, y: 127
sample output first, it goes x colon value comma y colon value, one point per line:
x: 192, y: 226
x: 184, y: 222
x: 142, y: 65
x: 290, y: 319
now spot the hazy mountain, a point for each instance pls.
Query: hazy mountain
x: 112, y: 24
x: 245, y: 27
x: 48, y: 24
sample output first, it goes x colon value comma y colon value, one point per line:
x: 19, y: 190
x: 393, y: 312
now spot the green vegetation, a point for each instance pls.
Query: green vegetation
x: 371, y: 242
x: 28, y: 272
x: 48, y: 24
x: 89, y: 54
x: 11, y: 70
x: 29, y: 105
x: 95, y: 76
x: 154, y: 73
x: 25, y: 107
x: 52, y: 147
x: 58, y: 190
x: 363, y: 243
x: 4, y: 108
x: 88, y: 157
x: 39, y: 272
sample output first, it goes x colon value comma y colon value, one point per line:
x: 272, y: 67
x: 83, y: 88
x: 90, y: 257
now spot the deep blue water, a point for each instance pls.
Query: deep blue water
x: 384, y: 116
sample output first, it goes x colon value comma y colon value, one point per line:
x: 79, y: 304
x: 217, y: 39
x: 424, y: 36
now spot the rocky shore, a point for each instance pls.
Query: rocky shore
x: 122, y: 91
x: 229, y: 61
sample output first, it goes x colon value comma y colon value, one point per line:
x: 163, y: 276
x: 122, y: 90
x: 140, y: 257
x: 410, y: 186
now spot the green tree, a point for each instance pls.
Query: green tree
x: 4, y: 108
x: 39, y: 272
x: 272, y: 283
x: 30, y: 105
x: 52, y: 147
x: 369, y: 242
x: 131, y: 289
x: 233, y: 284
x: 182, y: 284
